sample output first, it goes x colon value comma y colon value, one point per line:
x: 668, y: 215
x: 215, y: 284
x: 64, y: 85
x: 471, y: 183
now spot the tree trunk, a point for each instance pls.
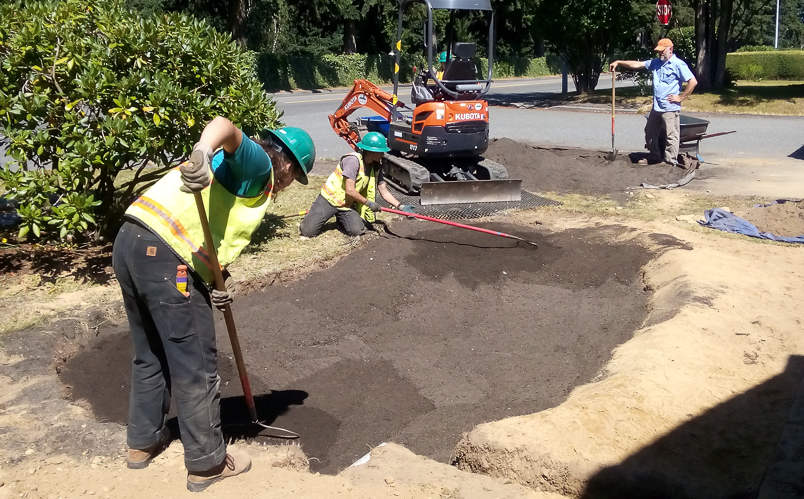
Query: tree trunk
x: 726, y: 9
x: 702, y: 45
x: 540, y: 47
x: 350, y: 44
x: 238, y: 16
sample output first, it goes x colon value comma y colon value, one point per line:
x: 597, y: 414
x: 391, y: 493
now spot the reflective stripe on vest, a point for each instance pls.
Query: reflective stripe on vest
x: 174, y: 218
x: 334, y: 190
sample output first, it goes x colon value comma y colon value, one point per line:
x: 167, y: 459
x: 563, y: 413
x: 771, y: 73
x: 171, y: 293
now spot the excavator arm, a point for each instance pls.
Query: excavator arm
x: 363, y: 94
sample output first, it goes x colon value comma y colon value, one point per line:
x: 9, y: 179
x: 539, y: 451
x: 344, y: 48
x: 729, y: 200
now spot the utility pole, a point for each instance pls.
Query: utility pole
x: 776, y: 40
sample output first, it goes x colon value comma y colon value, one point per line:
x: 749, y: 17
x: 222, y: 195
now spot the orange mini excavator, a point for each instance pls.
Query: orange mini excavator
x: 437, y: 146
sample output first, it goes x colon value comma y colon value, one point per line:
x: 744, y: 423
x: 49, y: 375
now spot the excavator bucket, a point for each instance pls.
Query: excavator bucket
x: 474, y: 191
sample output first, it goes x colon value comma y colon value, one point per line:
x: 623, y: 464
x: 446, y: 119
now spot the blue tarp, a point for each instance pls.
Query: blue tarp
x: 720, y: 219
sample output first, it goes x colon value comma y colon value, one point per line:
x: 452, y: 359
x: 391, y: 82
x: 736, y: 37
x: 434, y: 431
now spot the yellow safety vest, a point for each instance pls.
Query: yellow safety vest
x: 334, y: 189
x: 173, y: 216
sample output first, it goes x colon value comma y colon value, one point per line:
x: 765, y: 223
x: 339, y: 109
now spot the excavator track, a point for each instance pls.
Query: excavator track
x: 404, y: 174
x: 495, y: 170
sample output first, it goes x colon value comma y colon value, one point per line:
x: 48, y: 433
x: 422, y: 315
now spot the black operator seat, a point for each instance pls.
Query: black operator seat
x: 461, y: 67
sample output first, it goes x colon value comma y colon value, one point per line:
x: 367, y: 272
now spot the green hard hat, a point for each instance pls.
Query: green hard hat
x: 442, y: 57
x: 374, y: 142
x: 300, y: 145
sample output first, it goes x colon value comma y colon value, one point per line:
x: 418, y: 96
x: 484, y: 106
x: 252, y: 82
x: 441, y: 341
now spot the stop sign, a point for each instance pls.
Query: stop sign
x: 663, y: 11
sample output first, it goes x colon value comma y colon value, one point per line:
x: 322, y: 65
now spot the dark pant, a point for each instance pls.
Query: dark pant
x: 174, y: 349
x: 348, y: 220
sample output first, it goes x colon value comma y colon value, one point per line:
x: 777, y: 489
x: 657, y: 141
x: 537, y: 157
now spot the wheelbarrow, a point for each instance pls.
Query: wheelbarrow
x: 693, y: 131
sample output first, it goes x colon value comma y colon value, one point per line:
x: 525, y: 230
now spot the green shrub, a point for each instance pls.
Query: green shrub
x: 684, y: 44
x: 309, y: 71
x: 756, y: 48
x: 279, y: 72
x: 776, y: 65
x: 512, y: 67
x: 88, y: 88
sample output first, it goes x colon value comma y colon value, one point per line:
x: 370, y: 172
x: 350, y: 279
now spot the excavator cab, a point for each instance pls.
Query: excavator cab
x: 437, y: 145
x: 461, y: 68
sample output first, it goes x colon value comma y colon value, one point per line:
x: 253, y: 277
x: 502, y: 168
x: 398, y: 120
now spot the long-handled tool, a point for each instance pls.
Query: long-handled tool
x: 613, y: 154
x: 462, y: 226
x: 299, y: 214
x: 230, y: 326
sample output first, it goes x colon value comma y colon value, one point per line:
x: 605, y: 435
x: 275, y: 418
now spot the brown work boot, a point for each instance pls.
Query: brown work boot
x: 140, y: 458
x: 234, y: 464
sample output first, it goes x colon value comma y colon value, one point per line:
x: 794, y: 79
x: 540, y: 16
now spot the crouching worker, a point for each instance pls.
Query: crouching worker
x: 163, y: 269
x: 350, y: 192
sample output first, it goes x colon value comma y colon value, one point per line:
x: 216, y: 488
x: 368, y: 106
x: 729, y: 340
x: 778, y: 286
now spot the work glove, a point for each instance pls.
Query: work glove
x: 373, y: 206
x: 222, y: 298
x: 406, y: 208
x: 195, y: 171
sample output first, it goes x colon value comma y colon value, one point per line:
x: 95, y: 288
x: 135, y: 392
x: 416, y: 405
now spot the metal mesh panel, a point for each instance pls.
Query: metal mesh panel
x: 463, y: 211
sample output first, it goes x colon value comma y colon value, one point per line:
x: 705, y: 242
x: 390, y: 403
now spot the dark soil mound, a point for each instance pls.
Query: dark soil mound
x: 415, y: 339
x: 576, y: 171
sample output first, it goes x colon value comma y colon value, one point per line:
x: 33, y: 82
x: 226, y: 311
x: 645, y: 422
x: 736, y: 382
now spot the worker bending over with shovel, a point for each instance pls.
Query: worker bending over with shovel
x: 669, y: 72
x: 350, y: 191
x: 163, y: 269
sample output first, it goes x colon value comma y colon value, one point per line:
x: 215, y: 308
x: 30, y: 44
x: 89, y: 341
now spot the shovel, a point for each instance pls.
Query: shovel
x: 264, y: 430
x: 613, y: 154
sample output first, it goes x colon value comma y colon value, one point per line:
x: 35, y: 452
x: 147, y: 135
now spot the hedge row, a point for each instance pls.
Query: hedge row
x: 309, y: 72
x: 776, y: 65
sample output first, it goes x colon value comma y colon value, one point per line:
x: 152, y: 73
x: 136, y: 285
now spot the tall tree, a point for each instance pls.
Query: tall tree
x: 238, y: 18
x: 585, y: 32
x: 791, y: 24
x: 714, y: 35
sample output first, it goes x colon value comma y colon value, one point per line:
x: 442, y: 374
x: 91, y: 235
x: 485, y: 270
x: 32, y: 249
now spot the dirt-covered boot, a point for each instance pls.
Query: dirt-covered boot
x: 138, y: 459
x: 234, y: 464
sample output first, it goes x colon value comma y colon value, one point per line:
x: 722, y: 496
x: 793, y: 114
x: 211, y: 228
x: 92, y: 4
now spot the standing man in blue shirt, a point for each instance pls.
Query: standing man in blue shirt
x: 669, y: 72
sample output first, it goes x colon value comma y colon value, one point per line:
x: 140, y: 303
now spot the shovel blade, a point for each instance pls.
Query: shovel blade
x: 474, y: 191
x: 612, y: 155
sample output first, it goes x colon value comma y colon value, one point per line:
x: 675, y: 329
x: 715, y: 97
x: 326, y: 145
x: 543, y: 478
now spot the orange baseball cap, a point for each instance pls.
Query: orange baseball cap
x: 663, y: 44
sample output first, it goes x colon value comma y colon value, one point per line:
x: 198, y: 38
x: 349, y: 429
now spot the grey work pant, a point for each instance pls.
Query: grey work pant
x: 348, y: 220
x: 174, y: 349
x: 658, y: 124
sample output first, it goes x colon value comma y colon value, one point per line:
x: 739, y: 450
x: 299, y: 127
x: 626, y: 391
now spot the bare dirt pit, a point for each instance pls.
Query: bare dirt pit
x: 415, y: 339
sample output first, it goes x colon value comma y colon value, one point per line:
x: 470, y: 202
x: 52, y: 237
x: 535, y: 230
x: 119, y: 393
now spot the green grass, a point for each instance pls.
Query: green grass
x: 277, y: 245
x: 784, y: 98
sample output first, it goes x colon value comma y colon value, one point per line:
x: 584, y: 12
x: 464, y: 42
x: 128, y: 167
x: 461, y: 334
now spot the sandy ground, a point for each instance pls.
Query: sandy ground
x: 693, y: 405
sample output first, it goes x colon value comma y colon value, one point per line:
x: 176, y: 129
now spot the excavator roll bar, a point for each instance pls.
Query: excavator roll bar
x: 484, y: 5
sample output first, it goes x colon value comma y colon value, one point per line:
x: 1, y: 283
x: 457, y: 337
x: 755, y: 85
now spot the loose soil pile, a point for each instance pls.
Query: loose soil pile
x: 783, y: 219
x: 577, y: 171
x: 569, y: 170
x: 415, y: 339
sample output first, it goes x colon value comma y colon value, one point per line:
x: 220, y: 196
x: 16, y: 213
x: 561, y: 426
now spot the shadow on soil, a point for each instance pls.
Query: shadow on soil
x: 750, y: 96
x: 50, y: 264
x: 235, y: 417
x: 726, y: 452
x: 269, y: 229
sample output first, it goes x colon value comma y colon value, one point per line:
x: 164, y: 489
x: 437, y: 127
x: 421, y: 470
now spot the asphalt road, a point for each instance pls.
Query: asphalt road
x: 768, y: 138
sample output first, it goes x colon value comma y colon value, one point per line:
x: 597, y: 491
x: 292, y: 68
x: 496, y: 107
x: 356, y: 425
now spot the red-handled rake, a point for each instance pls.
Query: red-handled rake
x: 462, y: 226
